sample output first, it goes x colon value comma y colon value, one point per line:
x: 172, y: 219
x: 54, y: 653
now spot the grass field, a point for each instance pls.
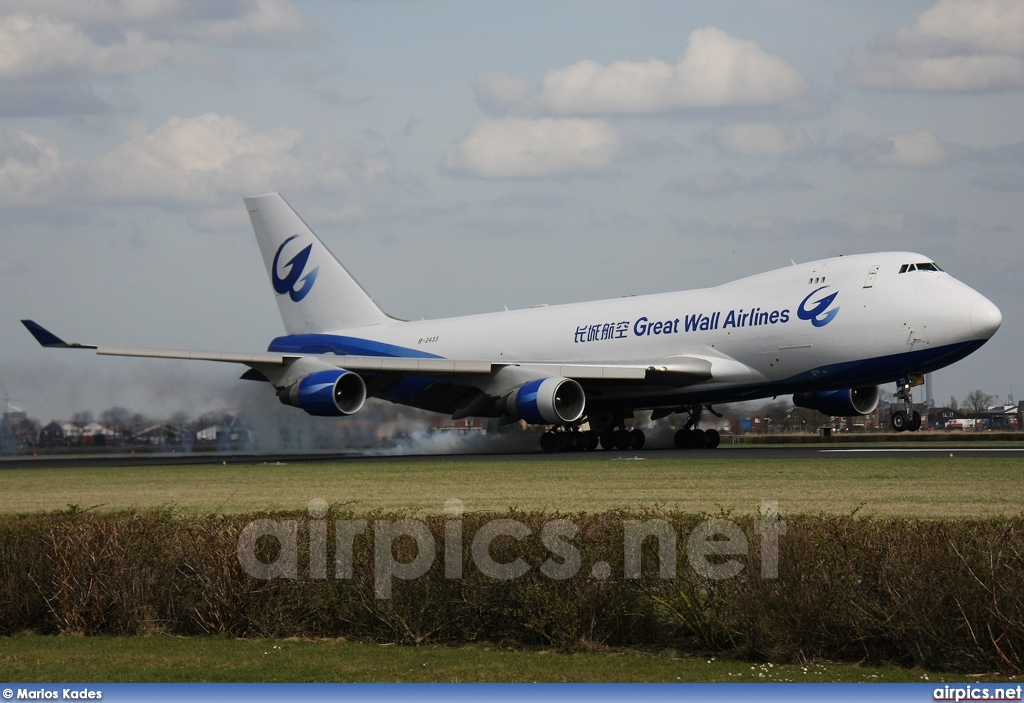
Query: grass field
x: 911, y: 486
x: 929, y: 487
x: 217, y: 659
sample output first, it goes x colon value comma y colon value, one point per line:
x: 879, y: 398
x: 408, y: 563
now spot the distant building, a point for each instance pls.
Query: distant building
x: 52, y: 435
x: 230, y: 433
x: 940, y: 418
x: 160, y: 435
x: 97, y: 435
x: 443, y: 423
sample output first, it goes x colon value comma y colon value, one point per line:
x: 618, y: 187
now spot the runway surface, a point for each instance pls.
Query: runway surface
x: 725, y: 453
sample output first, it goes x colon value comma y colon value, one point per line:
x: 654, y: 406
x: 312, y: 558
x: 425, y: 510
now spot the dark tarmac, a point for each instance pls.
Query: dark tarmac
x: 725, y: 452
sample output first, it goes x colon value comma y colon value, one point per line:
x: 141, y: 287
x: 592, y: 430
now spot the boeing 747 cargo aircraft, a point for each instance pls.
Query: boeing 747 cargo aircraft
x: 829, y: 332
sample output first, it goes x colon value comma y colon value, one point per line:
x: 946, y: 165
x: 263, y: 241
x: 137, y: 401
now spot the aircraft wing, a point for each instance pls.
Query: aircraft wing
x: 675, y: 371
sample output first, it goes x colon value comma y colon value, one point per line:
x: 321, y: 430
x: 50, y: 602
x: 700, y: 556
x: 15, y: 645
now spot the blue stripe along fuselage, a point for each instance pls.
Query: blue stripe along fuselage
x: 847, y: 374
x: 337, y: 344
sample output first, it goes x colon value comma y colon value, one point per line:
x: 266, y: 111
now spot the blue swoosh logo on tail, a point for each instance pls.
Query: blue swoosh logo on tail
x: 294, y: 277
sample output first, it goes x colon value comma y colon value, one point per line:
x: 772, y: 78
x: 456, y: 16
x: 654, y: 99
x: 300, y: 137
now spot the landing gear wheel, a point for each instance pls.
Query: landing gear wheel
x: 899, y: 421
x: 608, y: 440
x: 637, y: 439
x: 915, y: 422
x: 691, y: 439
x: 712, y: 438
x: 622, y: 439
x: 565, y: 441
x: 697, y: 439
x: 590, y: 440
x: 548, y: 442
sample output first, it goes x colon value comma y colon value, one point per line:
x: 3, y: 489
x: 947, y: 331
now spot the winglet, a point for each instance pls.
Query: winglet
x: 48, y: 339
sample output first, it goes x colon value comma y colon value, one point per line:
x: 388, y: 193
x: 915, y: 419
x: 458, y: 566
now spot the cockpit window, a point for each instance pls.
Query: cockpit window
x: 927, y: 266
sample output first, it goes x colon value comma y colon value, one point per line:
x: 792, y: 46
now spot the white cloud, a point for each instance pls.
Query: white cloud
x: 764, y: 140
x: 955, y: 45
x: 30, y: 168
x: 29, y: 50
x: 914, y: 150
x: 518, y: 148
x: 499, y: 91
x: 55, y: 39
x: 221, y: 23
x: 716, y: 70
x: 199, y: 161
x: 273, y: 20
x: 195, y: 159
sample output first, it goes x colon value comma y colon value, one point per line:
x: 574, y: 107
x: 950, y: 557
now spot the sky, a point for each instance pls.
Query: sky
x: 459, y: 157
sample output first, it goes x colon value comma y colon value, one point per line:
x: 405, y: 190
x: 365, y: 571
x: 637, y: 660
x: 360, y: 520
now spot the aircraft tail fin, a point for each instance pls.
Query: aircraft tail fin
x: 314, y: 291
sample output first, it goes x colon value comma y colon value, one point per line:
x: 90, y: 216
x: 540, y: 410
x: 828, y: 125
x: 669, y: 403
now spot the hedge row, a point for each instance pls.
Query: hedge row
x: 939, y: 594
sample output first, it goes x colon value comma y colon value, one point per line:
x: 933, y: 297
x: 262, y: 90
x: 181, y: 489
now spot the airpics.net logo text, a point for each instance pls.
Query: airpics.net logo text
x: 712, y: 549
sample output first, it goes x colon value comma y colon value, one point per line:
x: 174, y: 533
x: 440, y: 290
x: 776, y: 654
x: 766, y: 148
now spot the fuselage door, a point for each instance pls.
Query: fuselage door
x: 870, y: 280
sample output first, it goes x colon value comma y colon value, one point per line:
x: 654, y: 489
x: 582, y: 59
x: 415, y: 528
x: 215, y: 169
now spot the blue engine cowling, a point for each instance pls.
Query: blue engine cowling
x: 547, y: 401
x: 851, y: 401
x: 327, y: 393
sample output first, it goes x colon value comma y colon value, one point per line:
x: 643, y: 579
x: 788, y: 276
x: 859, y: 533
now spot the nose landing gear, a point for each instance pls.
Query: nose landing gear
x: 906, y: 419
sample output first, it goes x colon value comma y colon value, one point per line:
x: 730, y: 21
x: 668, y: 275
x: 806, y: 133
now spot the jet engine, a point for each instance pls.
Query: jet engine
x: 547, y: 401
x: 852, y: 401
x: 326, y: 393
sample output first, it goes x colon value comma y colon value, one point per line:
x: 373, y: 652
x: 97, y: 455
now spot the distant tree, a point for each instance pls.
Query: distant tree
x: 978, y: 400
x: 776, y: 414
x: 118, y: 419
x: 82, y: 418
x: 139, y: 422
x: 801, y: 419
x: 954, y: 404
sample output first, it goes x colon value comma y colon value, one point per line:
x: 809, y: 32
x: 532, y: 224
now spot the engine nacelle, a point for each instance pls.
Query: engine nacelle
x: 327, y: 393
x: 852, y: 401
x: 547, y: 401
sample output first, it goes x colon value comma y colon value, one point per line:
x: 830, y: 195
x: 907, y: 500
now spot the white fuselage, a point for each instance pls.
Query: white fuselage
x: 767, y: 334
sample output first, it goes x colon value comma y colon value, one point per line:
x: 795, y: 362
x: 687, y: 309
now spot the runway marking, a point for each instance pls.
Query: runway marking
x: 931, y: 449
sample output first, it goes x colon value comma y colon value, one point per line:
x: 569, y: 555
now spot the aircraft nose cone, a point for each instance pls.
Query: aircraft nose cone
x: 985, y: 317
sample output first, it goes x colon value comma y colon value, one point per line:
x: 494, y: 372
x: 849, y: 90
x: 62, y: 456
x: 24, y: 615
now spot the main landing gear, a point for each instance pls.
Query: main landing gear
x: 692, y: 437
x: 610, y: 433
x: 573, y: 439
x: 905, y: 419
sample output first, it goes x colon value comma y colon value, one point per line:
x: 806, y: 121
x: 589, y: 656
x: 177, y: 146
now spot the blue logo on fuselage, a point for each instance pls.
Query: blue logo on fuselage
x: 296, y: 266
x: 819, y: 315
